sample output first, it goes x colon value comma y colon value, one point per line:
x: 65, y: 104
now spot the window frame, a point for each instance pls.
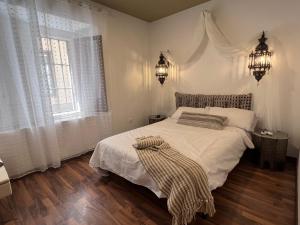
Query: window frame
x: 75, y: 113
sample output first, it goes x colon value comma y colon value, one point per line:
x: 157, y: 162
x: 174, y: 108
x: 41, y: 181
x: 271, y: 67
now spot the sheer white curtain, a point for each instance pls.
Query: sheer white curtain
x: 51, y: 79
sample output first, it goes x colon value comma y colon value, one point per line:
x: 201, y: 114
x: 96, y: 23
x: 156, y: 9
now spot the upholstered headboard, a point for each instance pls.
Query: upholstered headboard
x: 243, y: 101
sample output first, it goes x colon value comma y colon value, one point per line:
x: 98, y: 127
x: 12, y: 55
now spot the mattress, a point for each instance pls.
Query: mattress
x: 217, y: 151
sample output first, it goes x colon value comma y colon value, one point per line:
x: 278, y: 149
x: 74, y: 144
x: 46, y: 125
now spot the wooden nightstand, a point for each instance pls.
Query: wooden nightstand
x: 156, y: 118
x: 272, y: 148
x: 5, y: 188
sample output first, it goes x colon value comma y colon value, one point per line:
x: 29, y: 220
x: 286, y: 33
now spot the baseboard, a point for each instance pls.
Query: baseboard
x: 65, y: 159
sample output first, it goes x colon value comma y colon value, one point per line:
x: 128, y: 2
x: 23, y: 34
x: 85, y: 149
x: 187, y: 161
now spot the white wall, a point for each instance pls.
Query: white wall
x: 241, y: 21
x: 126, y: 53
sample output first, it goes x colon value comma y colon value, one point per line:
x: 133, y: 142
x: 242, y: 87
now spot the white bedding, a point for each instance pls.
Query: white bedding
x: 217, y: 151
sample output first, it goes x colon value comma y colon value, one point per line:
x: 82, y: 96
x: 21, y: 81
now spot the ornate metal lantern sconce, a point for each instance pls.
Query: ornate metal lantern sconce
x: 260, y: 59
x: 161, y: 69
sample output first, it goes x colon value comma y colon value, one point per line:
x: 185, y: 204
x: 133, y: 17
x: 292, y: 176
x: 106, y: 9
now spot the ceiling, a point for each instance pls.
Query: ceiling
x: 150, y: 10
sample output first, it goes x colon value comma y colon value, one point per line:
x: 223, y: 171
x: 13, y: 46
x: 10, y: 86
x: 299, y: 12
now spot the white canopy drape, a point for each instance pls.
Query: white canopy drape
x: 264, y: 94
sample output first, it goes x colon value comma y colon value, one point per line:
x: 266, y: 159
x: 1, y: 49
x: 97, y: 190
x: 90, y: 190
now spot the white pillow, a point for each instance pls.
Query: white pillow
x: 244, y: 119
x: 178, y: 112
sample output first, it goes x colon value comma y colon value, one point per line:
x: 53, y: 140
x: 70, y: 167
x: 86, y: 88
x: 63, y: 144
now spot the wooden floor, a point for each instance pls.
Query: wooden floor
x: 74, y: 194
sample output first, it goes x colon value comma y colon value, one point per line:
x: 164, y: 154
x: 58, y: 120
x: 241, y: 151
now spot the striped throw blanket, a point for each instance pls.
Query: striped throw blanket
x: 182, y: 180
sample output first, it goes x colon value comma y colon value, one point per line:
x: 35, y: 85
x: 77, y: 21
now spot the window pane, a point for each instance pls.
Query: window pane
x: 54, y: 100
x: 55, y: 51
x: 54, y: 97
x: 59, y: 76
x: 49, y: 72
x: 64, y: 52
x: 69, y: 96
x: 62, y: 96
x: 45, y: 44
x: 67, y: 76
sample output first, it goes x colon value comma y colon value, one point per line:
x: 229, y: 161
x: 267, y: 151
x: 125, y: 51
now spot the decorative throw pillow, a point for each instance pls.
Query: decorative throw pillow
x: 179, y: 111
x: 202, y: 120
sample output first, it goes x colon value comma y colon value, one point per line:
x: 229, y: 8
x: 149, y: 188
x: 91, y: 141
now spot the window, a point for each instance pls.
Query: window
x: 58, y: 71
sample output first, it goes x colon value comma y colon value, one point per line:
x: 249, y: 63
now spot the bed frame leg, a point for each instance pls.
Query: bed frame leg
x: 103, y: 173
x: 204, y: 216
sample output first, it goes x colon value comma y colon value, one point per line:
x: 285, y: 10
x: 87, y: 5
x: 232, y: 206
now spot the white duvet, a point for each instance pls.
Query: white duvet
x: 217, y: 151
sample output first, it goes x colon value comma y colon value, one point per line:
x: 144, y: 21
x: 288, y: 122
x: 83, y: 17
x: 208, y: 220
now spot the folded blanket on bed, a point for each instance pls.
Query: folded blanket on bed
x: 148, y: 142
x: 182, y: 180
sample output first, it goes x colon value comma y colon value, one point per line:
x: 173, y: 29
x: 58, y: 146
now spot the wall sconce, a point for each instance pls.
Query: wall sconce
x: 161, y: 69
x: 260, y: 59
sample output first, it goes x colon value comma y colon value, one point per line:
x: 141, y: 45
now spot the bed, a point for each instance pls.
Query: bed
x: 217, y: 151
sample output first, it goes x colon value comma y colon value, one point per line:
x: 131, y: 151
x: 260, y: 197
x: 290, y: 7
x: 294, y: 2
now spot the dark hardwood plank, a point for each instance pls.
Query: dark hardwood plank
x: 75, y: 194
